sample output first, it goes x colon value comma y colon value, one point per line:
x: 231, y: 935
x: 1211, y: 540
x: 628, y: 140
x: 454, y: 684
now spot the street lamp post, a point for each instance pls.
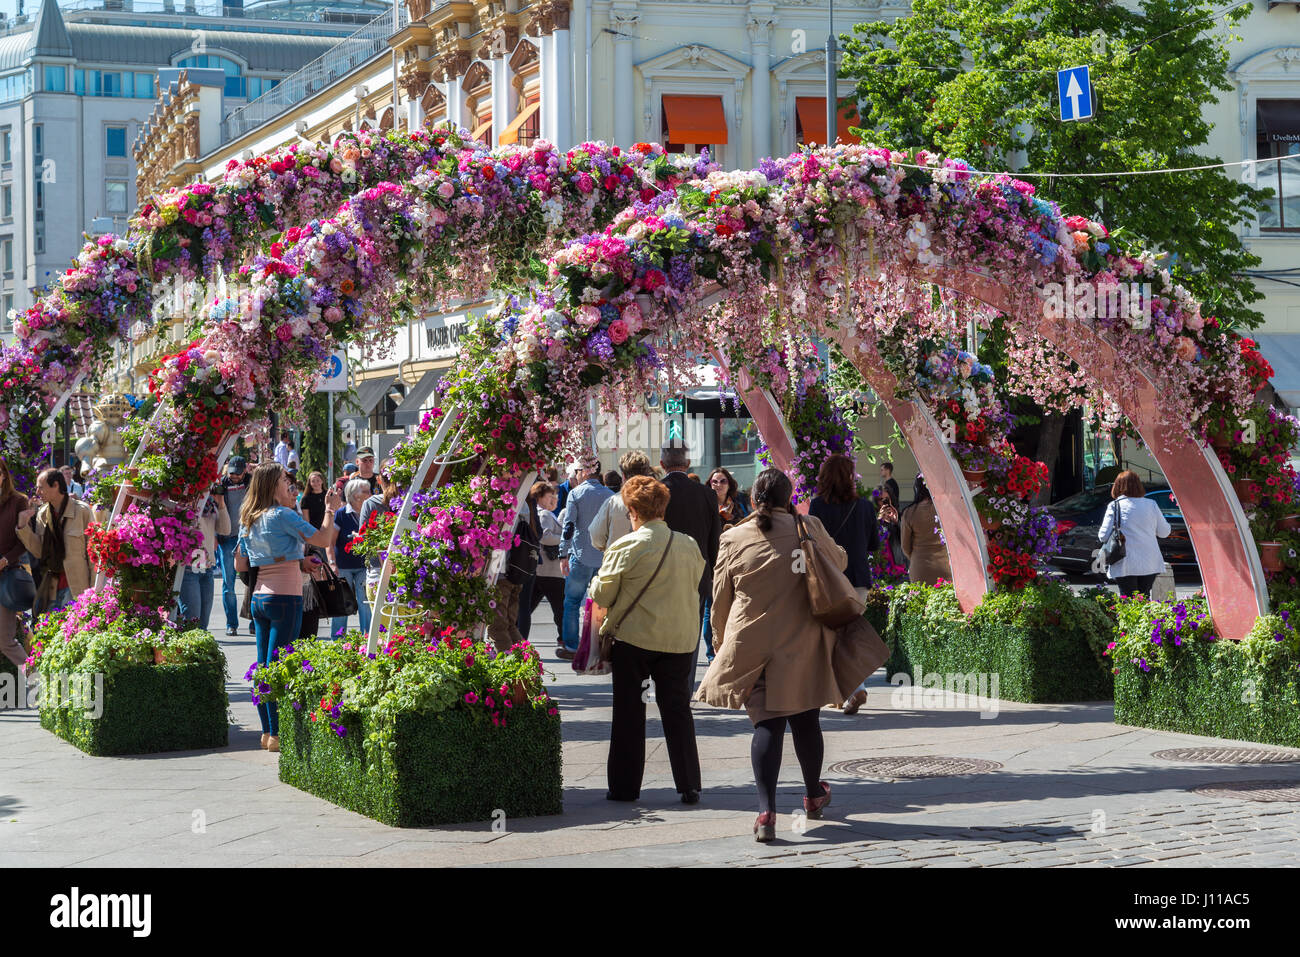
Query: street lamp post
x: 831, y: 51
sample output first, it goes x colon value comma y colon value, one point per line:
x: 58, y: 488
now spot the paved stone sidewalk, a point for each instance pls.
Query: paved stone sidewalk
x: 1074, y: 789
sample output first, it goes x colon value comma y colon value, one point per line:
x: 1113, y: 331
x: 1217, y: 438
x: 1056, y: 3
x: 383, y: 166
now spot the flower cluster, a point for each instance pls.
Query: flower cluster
x: 143, y: 536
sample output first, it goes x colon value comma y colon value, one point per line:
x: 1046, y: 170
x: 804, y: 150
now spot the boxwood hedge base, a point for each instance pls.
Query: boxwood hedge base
x: 1037, y: 642
x: 148, y: 708
x: 444, y: 768
x: 1212, y: 691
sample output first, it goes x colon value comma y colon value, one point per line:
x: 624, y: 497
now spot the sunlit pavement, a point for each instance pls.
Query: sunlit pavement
x: 1068, y: 787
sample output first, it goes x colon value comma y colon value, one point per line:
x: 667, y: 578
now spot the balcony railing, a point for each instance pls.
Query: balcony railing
x: 328, y: 68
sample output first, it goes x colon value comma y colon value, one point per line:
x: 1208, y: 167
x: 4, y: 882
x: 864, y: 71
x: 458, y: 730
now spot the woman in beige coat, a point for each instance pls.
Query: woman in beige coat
x: 927, y: 556
x: 773, y: 658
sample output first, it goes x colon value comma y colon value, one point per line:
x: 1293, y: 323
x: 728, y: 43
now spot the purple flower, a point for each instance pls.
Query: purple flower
x: 306, y: 666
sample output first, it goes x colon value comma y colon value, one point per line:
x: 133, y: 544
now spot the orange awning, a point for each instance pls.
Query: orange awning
x: 511, y: 133
x: 812, y: 119
x: 481, y: 129
x: 695, y: 119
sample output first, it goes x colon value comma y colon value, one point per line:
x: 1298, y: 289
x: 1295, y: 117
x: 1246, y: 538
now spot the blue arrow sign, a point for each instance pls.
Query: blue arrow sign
x: 336, y: 367
x: 1075, y: 89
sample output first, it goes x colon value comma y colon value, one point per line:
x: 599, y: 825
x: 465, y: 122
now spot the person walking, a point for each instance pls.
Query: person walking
x: 646, y: 595
x: 927, y: 556
x: 381, y: 501
x: 75, y: 488
x: 1141, y: 522
x: 838, y: 506
x: 12, y: 504
x: 56, y: 534
x: 312, y: 501
x: 731, y: 509
x: 281, y: 452
x: 580, y: 559
x: 549, y: 581
x: 272, y: 540
x: 194, y: 603
x: 692, y: 510
x: 611, y: 522
x: 351, y: 568
x: 521, y: 569
x: 773, y: 658
x: 234, y: 486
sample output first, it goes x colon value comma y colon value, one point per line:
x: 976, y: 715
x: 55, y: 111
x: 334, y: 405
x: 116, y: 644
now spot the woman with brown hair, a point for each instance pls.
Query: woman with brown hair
x: 773, y: 658
x: 12, y: 504
x: 730, y: 508
x: 549, y: 581
x: 1141, y: 522
x: 851, y: 520
x: 312, y: 501
x: 646, y: 593
x: 272, y: 540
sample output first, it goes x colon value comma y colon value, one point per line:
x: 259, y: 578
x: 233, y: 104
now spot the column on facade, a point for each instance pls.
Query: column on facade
x: 562, y: 57
x: 505, y: 99
x: 456, y: 101
x: 760, y: 41
x: 624, y: 25
x: 546, y: 76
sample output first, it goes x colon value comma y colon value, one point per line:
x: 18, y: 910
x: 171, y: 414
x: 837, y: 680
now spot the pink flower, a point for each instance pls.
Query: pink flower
x: 1185, y: 348
x: 588, y: 316
x: 632, y: 317
x: 585, y: 183
x: 618, y: 332
x: 333, y: 314
x: 284, y: 333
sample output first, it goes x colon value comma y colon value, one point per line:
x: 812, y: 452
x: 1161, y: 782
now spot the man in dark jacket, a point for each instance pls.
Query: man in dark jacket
x: 692, y: 510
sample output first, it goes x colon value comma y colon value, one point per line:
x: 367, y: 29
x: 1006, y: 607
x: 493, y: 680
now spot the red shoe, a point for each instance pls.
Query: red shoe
x: 813, y: 806
x: 765, y: 827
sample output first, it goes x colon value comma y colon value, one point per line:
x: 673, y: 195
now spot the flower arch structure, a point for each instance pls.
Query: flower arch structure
x: 666, y: 260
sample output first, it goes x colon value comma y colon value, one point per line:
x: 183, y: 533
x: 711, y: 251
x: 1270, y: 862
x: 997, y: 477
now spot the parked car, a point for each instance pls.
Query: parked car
x: 1078, y: 522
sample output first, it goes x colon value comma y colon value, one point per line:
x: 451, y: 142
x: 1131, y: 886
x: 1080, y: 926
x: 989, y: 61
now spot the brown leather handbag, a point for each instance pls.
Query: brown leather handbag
x: 834, y: 600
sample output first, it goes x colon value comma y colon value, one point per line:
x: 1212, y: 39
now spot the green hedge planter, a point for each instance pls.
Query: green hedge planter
x: 1043, y: 643
x: 148, y: 708
x: 443, y: 768
x: 1213, y: 690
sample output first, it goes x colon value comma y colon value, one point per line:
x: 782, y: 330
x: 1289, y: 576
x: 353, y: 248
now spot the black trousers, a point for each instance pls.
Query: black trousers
x: 552, y: 589
x: 673, y: 676
x: 1136, y: 584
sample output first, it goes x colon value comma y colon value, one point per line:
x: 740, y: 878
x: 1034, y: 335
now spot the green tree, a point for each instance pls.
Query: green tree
x: 976, y: 79
x: 315, y: 436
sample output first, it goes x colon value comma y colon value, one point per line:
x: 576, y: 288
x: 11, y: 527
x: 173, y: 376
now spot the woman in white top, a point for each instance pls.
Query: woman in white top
x: 1141, y: 523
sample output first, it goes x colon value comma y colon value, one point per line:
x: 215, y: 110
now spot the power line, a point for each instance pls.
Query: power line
x: 1131, y: 172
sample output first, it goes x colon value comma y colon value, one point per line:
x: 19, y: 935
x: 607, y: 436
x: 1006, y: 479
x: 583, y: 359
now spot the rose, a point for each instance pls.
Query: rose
x: 445, y: 189
x: 1185, y: 348
x: 588, y: 316
x: 632, y: 318
x: 618, y: 332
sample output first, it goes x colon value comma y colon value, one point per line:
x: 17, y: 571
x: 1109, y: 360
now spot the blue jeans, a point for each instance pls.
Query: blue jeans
x: 277, y: 620
x: 226, y: 555
x: 357, y: 578
x: 575, y: 591
x: 706, y: 626
x: 195, y: 600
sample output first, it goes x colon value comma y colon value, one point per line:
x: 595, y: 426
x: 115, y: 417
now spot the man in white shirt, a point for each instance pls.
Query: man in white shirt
x: 75, y: 489
x: 282, y: 450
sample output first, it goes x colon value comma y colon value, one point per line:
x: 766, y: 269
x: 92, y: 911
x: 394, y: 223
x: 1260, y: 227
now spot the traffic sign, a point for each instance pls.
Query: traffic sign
x: 334, y: 377
x: 1075, y: 89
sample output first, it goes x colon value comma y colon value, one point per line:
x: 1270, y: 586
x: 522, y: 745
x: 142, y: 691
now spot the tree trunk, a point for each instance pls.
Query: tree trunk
x: 1049, y: 451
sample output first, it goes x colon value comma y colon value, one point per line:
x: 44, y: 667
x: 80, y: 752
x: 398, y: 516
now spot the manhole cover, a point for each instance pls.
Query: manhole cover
x: 1229, y: 755
x: 1252, y: 791
x: 912, y: 766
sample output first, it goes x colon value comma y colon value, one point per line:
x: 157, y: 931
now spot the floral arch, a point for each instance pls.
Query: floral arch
x: 628, y: 265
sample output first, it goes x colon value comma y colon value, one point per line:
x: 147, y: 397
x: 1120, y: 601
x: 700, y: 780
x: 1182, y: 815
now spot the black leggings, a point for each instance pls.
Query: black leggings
x: 1136, y: 585
x: 765, y: 753
x: 552, y: 589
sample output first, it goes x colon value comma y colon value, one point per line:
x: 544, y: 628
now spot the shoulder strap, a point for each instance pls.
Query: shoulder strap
x: 1118, y: 520
x: 846, y: 517
x: 649, y: 582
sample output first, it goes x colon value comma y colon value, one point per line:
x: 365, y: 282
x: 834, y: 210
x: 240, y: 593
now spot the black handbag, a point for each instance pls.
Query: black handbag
x: 1114, y: 548
x: 335, y: 597
x: 17, y: 589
